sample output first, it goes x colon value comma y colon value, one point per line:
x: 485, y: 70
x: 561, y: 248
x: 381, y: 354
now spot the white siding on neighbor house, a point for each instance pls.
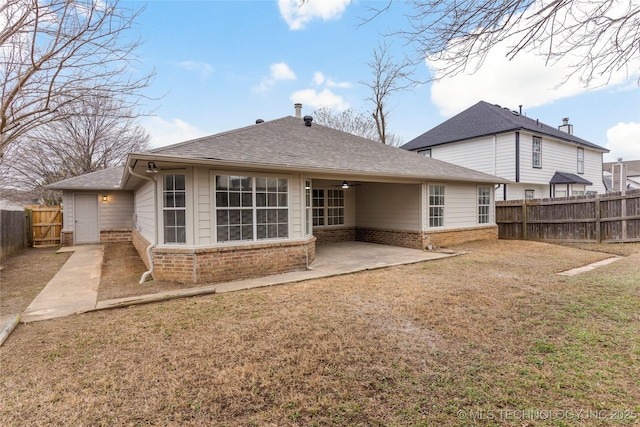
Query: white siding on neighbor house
x: 145, y: 211
x: 389, y: 206
x: 117, y: 210
x: 460, y: 205
x: 506, y: 156
x: 593, y: 170
x: 517, y: 191
x: 477, y: 154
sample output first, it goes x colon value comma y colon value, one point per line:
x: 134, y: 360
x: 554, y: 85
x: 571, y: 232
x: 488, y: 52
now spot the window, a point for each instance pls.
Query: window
x: 249, y: 208
x: 436, y: 205
x: 335, y: 207
x: 318, y: 207
x: 529, y: 194
x: 426, y: 152
x: 307, y: 207
x: 580, y: 160
x: 537, y: 152
x: 328, y: 207
x: 174, y: 209
x: 484, y: 205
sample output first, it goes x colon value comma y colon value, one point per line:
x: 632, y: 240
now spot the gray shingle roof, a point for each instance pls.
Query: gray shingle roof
x: 568, y: 178
x: 288, y: 143
x: 483, y: 119
x: 107, y: 179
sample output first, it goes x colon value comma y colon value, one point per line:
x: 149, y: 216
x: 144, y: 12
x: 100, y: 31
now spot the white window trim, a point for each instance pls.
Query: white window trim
x: 212, y: 195
x: 533, y: 144
x: 188, y: 206
x: 326, y: 207
x: 478, y: 205
x: 580, y: 161
x: 444, y: 206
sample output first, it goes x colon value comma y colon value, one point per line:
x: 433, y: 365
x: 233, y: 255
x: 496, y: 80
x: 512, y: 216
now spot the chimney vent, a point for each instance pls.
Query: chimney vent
x: 565, y: 126
x: 298, y: 108
x: 259, y: 121
x: 307, y: 120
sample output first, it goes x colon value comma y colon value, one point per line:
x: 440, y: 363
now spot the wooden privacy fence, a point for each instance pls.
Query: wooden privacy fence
x: 613, y: 217
x: 46, y: 224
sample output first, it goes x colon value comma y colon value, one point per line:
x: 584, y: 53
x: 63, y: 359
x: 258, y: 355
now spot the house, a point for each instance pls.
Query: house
x: 540, y: 160
x: 622, y: 172
x: 256, y: 200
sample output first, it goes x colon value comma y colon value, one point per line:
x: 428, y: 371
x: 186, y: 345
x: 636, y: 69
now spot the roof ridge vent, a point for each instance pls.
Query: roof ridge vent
x: 259, y: 121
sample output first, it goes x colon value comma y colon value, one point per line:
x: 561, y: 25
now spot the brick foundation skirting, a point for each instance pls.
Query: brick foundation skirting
x: 66, y: 238
x: 402, y: 238
x: 141, y: 244
x: 444, y: 238
x: 226, y: 263
x: 334, y: 234
x: 114, y: 235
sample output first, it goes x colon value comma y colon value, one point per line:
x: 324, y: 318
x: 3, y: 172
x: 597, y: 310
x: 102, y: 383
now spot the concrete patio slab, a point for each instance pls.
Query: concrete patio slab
x: 74, y: 288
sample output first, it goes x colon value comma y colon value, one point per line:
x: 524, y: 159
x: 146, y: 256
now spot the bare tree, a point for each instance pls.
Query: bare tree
x: 360, y: 124
x: 94, y: 134
x: 388, y: 77
x: 602, y: 37
x: 54, y: 53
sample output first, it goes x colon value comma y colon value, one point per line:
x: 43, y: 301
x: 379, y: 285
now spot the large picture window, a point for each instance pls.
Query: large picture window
x: 537, y: 152
x: 174, y: 209
x: 436, y: 205
x: 484, y: 205
x: 250, y: 208
x: 328, y: 207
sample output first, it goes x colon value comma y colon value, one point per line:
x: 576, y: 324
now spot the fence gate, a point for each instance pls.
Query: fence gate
x: 46, y: 224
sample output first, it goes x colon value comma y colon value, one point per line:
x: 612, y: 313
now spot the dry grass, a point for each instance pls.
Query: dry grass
x: 493, y: 330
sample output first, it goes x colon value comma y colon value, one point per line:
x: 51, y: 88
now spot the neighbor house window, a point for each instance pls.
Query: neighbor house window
x: 529, y: 194
x: 251, y: 208
x: 426, y: 152
x: 436, y: 205
x: 484, y: 205
x: 580, y: 160
x: 578, y: 189
x: 537, y: 152
x: 174, y: 209
x: 328, y: 207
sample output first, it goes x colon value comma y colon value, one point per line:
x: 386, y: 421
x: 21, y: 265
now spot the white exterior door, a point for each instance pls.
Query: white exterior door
x: 86, y: 218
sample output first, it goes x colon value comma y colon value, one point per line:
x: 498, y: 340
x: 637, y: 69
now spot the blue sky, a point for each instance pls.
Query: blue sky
x: 221, y: 65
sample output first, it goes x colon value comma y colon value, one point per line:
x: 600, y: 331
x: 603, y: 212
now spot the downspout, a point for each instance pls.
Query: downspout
x: 146, y: 274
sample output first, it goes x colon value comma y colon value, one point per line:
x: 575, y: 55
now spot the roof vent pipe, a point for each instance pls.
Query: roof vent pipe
x: 298, y: 108
x: 307, y: 120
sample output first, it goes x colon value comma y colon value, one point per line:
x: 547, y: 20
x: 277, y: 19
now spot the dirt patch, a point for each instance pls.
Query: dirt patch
x: 23, y: 277
x: 121, y: 271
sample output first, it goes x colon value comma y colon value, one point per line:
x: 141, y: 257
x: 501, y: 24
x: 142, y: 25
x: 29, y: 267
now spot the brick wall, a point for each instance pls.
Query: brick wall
x: 334, y: 234
x: 66, y: 238
x: 228, y: 263
x: 402, y: 238
x: 141, y: 244
x: 444, y: 238
x: 114, y: 235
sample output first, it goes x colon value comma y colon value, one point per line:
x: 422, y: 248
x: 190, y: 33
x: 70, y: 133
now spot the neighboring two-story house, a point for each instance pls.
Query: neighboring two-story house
x: 541, y: 160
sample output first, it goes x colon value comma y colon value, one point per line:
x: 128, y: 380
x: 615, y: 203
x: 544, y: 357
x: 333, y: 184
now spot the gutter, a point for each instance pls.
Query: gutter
x: 147, y: 273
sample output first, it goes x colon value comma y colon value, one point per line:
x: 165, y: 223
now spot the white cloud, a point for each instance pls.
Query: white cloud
x: 318, y: 78
x: 623, y: 140
x: 165, y: 132
x: 278, y: 71
x: 314, y: 99
x: 297, y: 15
x: 523, y: 80
x: 205, y: 70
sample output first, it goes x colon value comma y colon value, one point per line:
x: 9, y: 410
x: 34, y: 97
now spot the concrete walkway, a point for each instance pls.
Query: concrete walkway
x: 592, y: 266
x: 74, y: 288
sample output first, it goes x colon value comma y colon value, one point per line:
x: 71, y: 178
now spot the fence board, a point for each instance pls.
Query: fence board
x: 46, y: 225
x: 613, y: 217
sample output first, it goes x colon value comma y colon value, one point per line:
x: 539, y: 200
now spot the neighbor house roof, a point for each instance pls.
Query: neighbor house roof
x: 107, y: 179
x: 633, y: 167
x: 568, y: 178
x: 484, y: 119
x: 288, y: 144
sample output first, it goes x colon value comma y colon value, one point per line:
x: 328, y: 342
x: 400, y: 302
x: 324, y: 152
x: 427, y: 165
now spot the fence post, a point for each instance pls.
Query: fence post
x: 525, y: 234
x: 29, y: 214
x: 598, y: 220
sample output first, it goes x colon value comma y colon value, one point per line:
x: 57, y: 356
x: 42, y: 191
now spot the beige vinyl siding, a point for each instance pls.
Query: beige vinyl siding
x: 389, y: 206
x: 144, y: 208
x: 296, y: 207
x: 203, y: 204
x: 461, y: 205
x: 117, y: 210
x: 67, y: 211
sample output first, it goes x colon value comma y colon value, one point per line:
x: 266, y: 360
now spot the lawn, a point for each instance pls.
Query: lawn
x: 492, y: 337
